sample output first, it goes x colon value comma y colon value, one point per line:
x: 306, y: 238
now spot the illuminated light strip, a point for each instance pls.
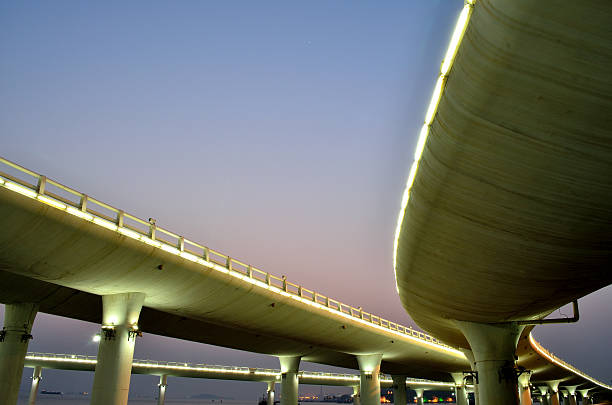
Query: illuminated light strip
x: 79, y: 213
x: 447, y: 63
x: 538, y: 348
x: 104, y: 223
x: 129, y: 233
x: 20, y: 189
x: 170, y: 249
x: 51, y: 201
x: 226, y: 370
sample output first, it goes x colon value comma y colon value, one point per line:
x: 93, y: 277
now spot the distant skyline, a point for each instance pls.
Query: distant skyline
x: 280, y: 133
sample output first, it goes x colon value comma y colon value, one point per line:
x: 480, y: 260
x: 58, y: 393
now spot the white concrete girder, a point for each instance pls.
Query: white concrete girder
x: 356, y: 396
x: 524, y: 390
x: 553, y: 390
x: 399, y: 389
x: 161, y: 389
x: 270, y: 392
x: 36, y: 377
x: 289, y: 379
x: 460, y: 391
x: 369, y: 387
x: 18, y: 320
x: 419, y: 393
x: 494, y: 347
x: 116, y: 349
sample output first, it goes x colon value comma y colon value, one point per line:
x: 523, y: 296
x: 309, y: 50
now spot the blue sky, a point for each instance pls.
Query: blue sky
x: 278, y: 132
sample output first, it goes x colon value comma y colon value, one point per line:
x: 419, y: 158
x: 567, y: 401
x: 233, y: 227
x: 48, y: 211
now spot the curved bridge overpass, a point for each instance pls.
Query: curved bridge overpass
x: 63, y: 250
x: 509, y: 197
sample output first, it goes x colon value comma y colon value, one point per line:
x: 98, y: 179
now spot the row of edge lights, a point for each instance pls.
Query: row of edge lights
x: 551, y: 358
x: 445, y: 68
x: 135, y: 235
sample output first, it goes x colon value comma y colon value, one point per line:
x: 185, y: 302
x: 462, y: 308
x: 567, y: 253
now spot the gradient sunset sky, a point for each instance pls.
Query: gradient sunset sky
x: 278, y: 132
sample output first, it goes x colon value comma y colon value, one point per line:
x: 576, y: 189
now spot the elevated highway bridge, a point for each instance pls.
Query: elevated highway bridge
x: 508, y: 199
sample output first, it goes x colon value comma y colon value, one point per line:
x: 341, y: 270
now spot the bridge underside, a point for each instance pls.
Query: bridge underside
x: 511, y: 206
x: 66, y: 264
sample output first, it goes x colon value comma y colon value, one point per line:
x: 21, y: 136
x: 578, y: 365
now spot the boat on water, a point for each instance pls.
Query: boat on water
x: 51, y: 392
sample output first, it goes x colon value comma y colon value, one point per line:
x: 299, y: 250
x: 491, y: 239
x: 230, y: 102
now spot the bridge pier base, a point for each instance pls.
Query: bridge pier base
x: 356, y: 396
x: 36, y: 377
x: 553, y: 389
x: 566, y: 399
x: 399, y: 389
x: 270, y: 397
x: 18, y: 320
x: 289, y: 379
x: 369, y: 384
x: 585, y: 397
x: 120, y: 314
x: 544, y: 395
x: 460, y: 389
x: 470, y: 356
x: 419, y: 393
x: 494, y: 347
x: 571, y: 390
x: 161, y: 389
x: 524, y: 391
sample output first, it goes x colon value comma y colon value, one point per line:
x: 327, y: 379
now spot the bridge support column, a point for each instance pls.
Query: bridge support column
x: 460, y: 390
x: 14, y: 339
x: 356, y: 397
x: 369, y: 385
x: 36, y: 377
x: 553, y: 389
x: 566, y: 399
x: 544, y: 392
x: 419, y: 393
x: 585, y: 397
x: 289, y: 379
x: 399, y: 390
x: 120, y: 314
x: 494, y: 347
x: 571, y: 390
x: 524, y: 390
x: 470, y: 356
x: 161, y: 389
x: 270, y: 397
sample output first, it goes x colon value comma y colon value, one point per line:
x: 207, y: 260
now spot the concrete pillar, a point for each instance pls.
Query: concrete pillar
x: 161, y: 389
x: 544, y: 392
x: 419, y: 393
x: 470, y: 356
x: 585, y: 397
x: 116, y: 349
x: 494, y: 347
x: 270, y: 398
x: 14, y: 339
x: 565, y: 395
x: 460, y: 390
x: 289, y: 379
x: 369, y: 387
x: 553, y: 389
x: 399, y: 389
x: 524, y: 390
x: 356, y: 397
x: 36, y: 377
x: 571, y: 390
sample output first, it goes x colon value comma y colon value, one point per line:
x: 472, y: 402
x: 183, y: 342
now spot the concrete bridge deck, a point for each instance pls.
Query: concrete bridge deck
x: 204, y: 295
x: 191, y: 370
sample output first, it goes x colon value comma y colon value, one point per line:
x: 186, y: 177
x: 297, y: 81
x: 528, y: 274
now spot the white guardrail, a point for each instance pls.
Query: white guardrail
x: 57, y: 195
